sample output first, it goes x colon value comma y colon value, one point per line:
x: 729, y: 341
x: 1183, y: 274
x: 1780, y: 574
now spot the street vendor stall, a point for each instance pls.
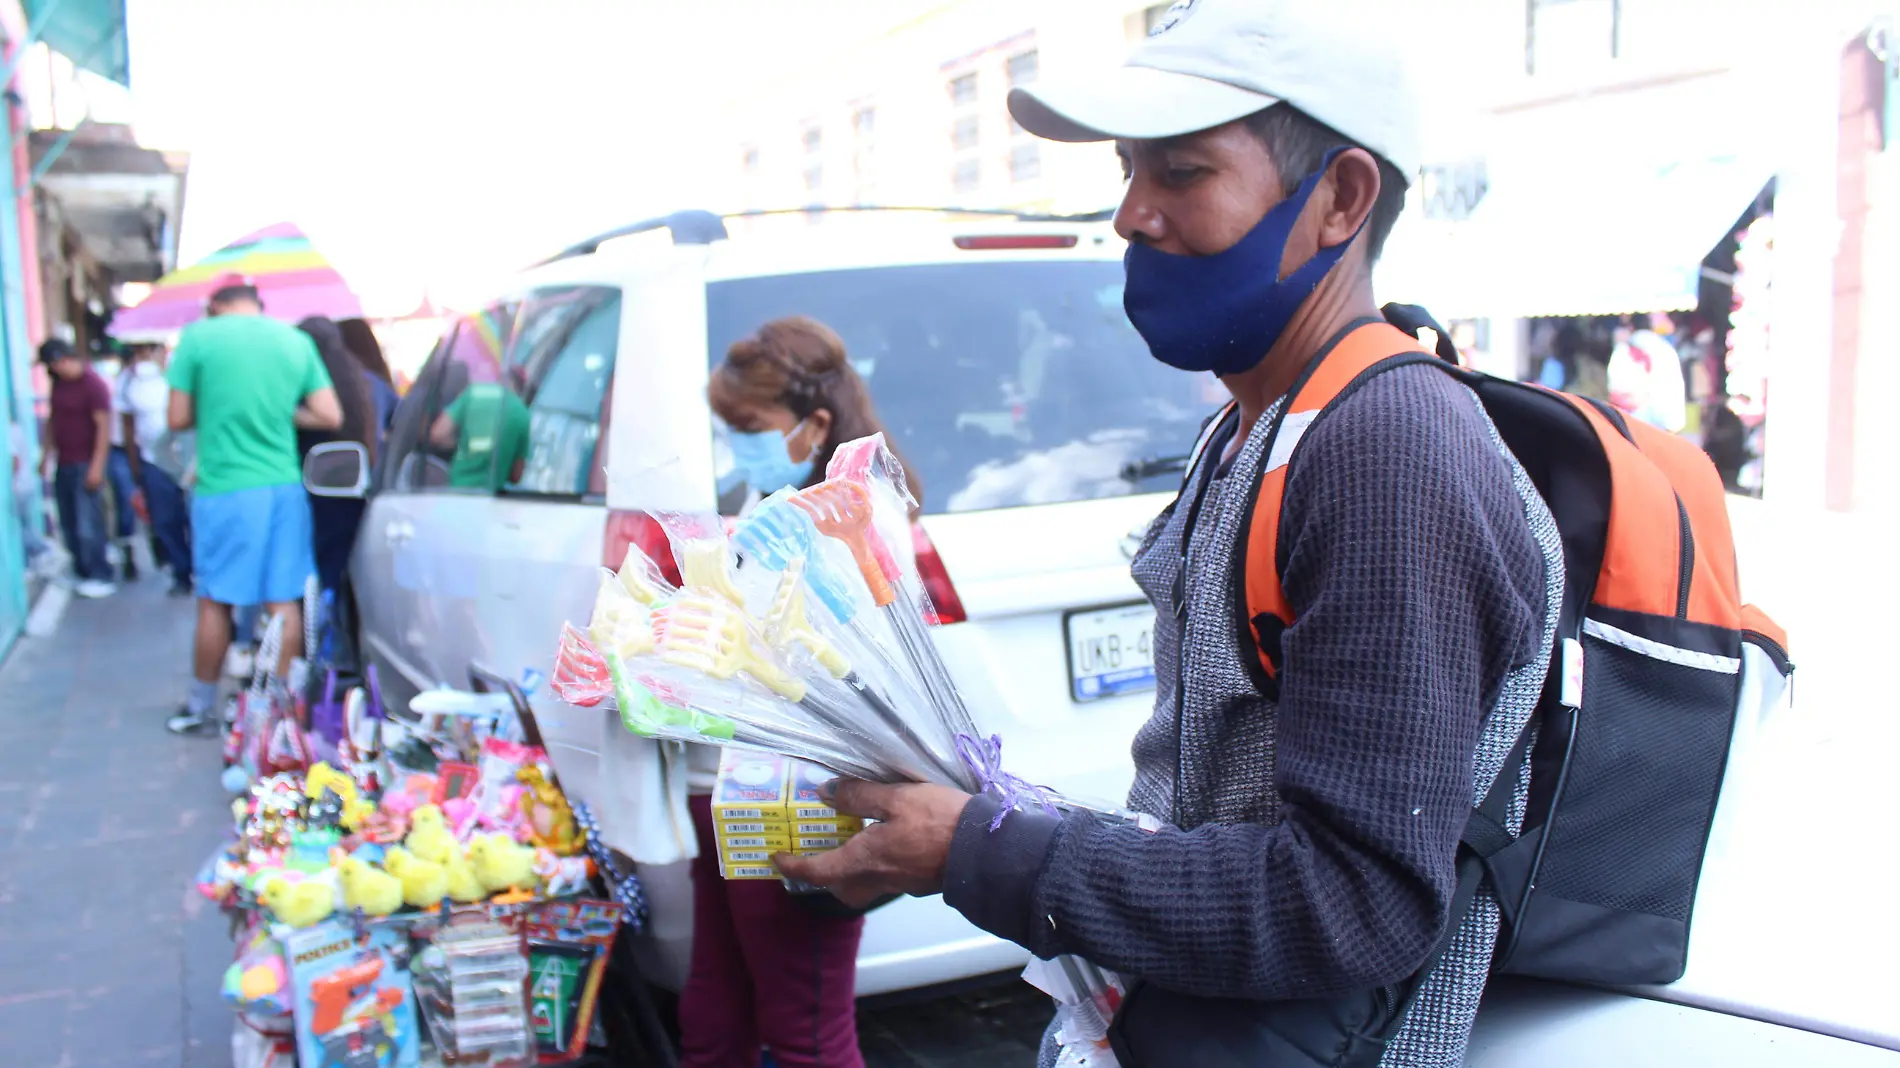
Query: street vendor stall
x: 410, y: 890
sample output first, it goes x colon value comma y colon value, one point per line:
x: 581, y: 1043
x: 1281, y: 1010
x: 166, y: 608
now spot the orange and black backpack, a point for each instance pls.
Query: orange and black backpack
x: 1656, y: 656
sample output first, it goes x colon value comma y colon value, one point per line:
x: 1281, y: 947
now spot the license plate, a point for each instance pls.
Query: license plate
x: 1111, y: 650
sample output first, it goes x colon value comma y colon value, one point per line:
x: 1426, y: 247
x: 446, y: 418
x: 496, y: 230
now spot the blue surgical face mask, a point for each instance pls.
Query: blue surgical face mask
x: 1222, y: 313
x: 761, y: 456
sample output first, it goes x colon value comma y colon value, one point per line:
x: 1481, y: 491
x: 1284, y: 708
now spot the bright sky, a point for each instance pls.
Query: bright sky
x: 427, y: 142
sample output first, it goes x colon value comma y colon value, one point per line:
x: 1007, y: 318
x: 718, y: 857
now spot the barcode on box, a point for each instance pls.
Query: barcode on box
x: 730, y: 813
x: 825, y: 827
x: 743, y: 828
x: 757, y: 841
x: 819, y: 843
x: 751, y: 873
x: 819, y: 813
x: 747, y: 856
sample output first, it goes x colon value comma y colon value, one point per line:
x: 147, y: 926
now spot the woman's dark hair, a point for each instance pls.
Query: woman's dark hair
x: 361, y: 342
x: 800, y: 363
x: 352, y: 389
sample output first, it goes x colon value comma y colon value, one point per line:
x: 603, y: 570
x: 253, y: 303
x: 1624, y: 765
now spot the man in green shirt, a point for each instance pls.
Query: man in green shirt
x: 487, y: 426
x: 246, y: 384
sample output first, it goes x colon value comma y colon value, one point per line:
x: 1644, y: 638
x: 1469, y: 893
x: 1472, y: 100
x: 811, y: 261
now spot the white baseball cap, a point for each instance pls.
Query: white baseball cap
x: 1209, y: 62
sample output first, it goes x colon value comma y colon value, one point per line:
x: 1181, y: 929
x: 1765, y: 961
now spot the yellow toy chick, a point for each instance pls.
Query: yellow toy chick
x: 502, y: 863
x: 376, y: 893
x: 423, y: 884
x: 321, y: 777
x: 299, y: 904
x: 464, y: 887
x: 429, y: 836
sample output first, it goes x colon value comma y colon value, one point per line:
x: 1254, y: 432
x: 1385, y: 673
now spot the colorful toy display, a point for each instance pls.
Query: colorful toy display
x: 337, y: 873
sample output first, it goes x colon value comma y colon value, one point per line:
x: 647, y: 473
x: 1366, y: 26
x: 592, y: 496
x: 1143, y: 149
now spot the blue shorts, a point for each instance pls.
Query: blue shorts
x: 252, y: 546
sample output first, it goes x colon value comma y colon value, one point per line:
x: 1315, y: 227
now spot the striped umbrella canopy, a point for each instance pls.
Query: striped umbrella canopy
x: 293, y: 278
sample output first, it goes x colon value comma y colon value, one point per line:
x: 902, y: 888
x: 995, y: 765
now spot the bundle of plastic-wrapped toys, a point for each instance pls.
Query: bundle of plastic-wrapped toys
x: 798, y: 638
x: 407, y: 890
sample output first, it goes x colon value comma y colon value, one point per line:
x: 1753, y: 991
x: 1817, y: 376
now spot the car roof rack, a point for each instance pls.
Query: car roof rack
x: 688, y: 228
x: 697, y: 227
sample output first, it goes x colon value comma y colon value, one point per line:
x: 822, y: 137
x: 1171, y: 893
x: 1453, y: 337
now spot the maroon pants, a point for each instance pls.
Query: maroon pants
x: 766, y: 971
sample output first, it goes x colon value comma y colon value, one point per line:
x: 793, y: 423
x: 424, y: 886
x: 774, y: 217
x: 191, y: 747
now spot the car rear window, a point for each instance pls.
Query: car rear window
x: 1003, y: 384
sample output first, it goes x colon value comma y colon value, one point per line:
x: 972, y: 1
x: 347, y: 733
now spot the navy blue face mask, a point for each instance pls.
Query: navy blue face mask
x: 1221, y: 313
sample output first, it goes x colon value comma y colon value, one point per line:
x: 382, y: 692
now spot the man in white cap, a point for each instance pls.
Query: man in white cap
x: 1315, y: 766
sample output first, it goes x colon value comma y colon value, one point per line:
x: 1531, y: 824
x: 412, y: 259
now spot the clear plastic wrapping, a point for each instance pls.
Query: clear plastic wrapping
x: 801, y: 630
x: 472, y: 986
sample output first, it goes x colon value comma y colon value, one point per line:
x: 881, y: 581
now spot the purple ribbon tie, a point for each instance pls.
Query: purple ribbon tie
x: 984, y: 758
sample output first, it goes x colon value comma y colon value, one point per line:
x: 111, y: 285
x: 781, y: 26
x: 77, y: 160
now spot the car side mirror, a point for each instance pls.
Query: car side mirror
x: 337, y: 469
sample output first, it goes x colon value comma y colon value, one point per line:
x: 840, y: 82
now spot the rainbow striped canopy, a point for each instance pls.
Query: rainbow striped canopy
x: 291, y: 275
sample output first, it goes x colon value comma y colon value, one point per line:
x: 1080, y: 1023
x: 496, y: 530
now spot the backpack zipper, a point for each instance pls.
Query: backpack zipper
x: 1776, y: 654
x: 1687, y: 572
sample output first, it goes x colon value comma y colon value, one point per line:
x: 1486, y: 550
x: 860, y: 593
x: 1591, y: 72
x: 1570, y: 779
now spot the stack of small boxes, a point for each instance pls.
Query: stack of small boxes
x: 764, y: 805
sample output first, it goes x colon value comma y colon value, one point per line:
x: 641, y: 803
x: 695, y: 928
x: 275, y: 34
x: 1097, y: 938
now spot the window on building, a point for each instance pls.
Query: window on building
x: 1022, y: 68
x: 966, y: 176
x: 963, y: 90
x: 1025, y: 162
x: 814, y: 139
x: 752, y: 159
x: 965, y: 133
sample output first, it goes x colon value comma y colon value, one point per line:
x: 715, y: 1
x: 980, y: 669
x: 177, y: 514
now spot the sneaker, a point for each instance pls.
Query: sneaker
x: 188, y: 722
x: 130, y: 573
x: 180, y: 589
x: 240, y: 662
x: 95, y: 588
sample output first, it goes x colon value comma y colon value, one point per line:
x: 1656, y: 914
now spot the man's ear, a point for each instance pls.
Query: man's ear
x: 1354, y: 178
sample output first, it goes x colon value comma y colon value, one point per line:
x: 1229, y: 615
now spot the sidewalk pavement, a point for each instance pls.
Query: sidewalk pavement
x: 110, y: 960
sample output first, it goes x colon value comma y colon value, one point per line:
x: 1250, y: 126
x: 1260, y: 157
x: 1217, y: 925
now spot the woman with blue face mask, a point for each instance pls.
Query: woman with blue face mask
x: 788, y: 396
x: 769, y: 968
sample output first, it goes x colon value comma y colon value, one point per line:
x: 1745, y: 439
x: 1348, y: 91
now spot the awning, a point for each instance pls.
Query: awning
x: 1576, y: 237
x: 121, y: 200
x: 91, y: 33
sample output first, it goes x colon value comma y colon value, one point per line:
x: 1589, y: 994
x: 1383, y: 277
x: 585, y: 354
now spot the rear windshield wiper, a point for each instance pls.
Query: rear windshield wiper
x: 1154, y: 467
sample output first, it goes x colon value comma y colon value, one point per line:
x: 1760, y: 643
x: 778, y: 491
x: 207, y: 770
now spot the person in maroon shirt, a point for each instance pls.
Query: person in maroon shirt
x: 77, y: 443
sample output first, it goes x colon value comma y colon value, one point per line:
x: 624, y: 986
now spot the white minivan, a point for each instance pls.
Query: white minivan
x: 999, y: 358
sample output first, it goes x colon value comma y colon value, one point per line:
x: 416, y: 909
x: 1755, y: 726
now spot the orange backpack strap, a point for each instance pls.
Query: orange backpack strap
x: 1330, y: 374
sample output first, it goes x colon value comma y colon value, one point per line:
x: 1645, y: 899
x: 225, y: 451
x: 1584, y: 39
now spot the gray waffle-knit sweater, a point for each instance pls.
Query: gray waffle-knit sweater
x: 1312, y: 845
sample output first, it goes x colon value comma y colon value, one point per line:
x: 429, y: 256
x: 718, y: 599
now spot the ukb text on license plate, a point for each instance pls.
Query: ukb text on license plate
x: 1111, y: 650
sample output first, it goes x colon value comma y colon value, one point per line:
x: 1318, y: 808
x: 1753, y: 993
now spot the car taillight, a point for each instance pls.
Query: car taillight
x: 943, y: 593
x: 995, y: 242
x: 644, y: 532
